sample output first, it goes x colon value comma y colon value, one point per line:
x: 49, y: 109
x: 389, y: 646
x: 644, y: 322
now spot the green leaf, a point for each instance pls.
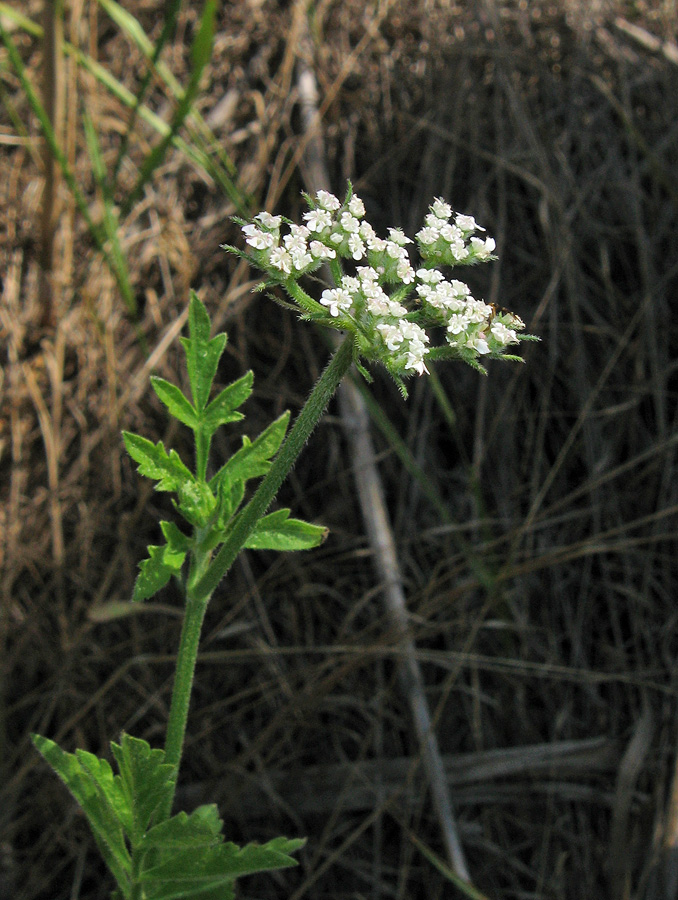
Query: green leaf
x: 277, y: 531
x: 176, y: 539
x: 202, y: 354
x: 178, y: 405
x: 229, y: 498
x: 209, y: 872
x: 252, y: 460
x: 223, y: 408
x: 100, y: 799
x: 146, y: 779
x: 154, y: 572
x: 196, y: 502
x: 154, y: 462
x: 199, y: 829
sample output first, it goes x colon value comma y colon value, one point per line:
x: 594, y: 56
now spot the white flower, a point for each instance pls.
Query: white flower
x: 328, y: 201
x: 430, y: 276
x: 415, y: 361
x: 336, y: 299
x: 428, y: 235
x: 503, y: 335
x: 268, y: 221
x: 379, y: 304
x: 397, y: 236
x: 349, y: 223
x: 350, y: 284
x: 477, y: 311
x: 320, y: 251
x: 356, y: 246
x: 369, y: 235
x: 391, y: 335
x: 301, y: 261
x: 280, y: 259
x: 457, y: 324
x: 467, y: 223
x: 260, y: 240
x: 483, y: 248
x: 404, y: 271
x: 318, y: 219
x: 396, y: 309
x: 295, y: 241
x: 356, y: 206
x: 441, y: 209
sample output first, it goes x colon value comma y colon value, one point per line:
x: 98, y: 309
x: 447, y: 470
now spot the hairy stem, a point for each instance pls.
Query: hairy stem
x: 307, y: 420
x: 198, y: 594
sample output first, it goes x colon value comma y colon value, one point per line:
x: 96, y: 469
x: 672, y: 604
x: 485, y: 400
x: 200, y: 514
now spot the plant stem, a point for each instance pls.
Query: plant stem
x: 306, y: 421
x: 181, y: 692
x: 198, y: 595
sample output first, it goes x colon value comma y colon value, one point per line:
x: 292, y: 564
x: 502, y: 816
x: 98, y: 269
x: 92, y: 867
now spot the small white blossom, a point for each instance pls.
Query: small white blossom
x: 356, y: 207
x: 280, y: 259
x: 457, y: 324
x: 396, y: 309
x: 428, y: 235
x: 415, y: 361
x: 260, y: 240
x: 502, y: 334
x: 356, y: 246
x: 397, y: 236
x: 336, y: 299
x: 391, y: 334
x: 349, y: 223
x: 350, y: 284
x: 429, y: 276
x: 320, y: 251
x: 441, y: 209
x: 268, y: 221
x: 328, y: 201
x: 295, y: 242
x: 318, y: 219
x: 467, y: 223
x: 369, y: 235
x: 479, y: 344
x: 483, y: 248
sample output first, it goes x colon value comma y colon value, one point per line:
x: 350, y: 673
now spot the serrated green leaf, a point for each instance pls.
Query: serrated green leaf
x: 223, y: 408
x: 101, y: 814
x: 154, y: 573
x: 202, y: 828
x: 110, y: 786
x: 178, y: 405
x: 202, y: 354
x: 277, y: 531
x: 229, y: 498
x: 200, y: 873
x: 146, y: 781
x: 252, y: 460
x: 176, y: 539
x: 154, y: 462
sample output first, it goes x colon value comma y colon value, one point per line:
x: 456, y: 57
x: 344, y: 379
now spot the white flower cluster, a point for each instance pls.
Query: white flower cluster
x: 371, y: 302
x: 452, y: 243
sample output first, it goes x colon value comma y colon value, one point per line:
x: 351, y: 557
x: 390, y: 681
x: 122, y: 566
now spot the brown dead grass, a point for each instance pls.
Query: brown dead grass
x: 545, y: 617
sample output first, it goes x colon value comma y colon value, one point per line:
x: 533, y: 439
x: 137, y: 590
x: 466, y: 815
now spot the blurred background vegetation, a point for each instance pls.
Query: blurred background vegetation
x: 539, y: 546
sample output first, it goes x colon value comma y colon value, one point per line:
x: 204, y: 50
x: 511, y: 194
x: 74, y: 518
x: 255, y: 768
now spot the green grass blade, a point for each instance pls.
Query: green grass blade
x: 168, y: 29
x: 201, y: 52
x: 205, y: 152
x: 110, y: 220
x: 215, y: 160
